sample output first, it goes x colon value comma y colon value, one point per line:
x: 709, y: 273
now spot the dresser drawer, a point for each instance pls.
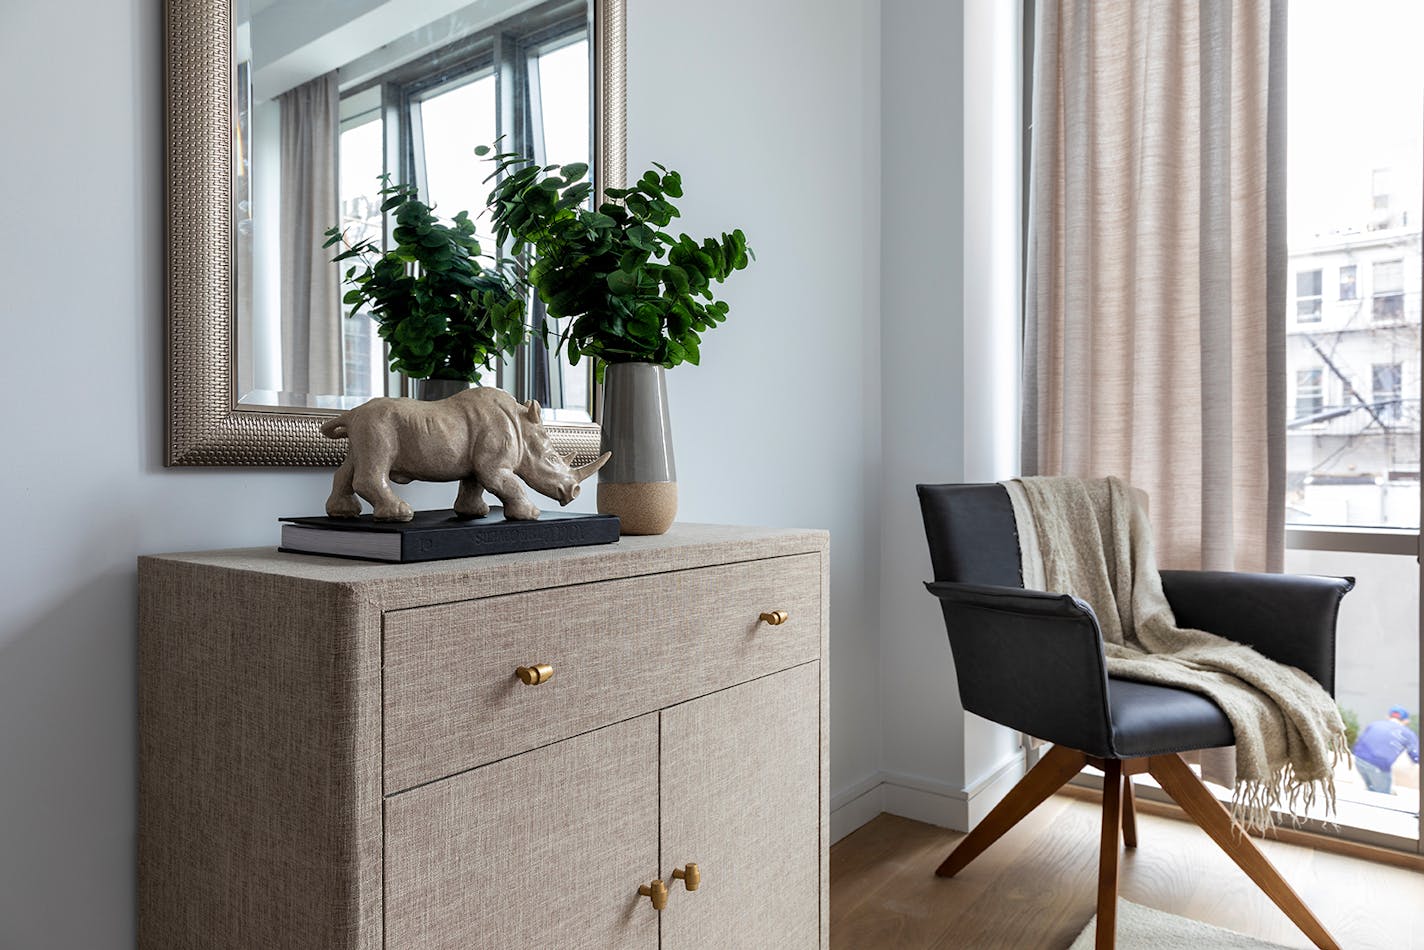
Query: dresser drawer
x: 618, y: 648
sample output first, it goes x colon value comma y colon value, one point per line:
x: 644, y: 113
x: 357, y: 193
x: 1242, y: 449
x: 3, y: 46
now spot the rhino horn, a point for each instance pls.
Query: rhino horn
x: 532, y: 408
x: 584, y: 471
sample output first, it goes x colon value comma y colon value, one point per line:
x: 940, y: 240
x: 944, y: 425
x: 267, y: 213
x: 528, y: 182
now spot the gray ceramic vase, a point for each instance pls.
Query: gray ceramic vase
x: 433, y: 389
x: 639, y: 483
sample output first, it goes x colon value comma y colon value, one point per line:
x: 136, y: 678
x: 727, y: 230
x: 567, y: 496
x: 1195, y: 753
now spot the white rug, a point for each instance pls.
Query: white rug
x: 1140, y: 928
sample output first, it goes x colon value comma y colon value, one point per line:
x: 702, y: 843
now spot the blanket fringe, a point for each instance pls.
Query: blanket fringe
x: 1256, y: 803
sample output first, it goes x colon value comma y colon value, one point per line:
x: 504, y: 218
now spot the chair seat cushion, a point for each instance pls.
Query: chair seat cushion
x: 1148, y: 719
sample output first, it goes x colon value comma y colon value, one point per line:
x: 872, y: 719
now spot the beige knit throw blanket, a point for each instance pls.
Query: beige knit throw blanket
x: 1092, y: 539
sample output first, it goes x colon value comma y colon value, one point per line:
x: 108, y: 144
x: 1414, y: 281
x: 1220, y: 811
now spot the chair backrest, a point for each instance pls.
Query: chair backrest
x: 972, y: 535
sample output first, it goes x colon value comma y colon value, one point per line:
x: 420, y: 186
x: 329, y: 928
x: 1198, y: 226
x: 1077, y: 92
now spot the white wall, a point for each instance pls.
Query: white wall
x: 922, y: 335
x: 770, y: 112
x: 949, y: 303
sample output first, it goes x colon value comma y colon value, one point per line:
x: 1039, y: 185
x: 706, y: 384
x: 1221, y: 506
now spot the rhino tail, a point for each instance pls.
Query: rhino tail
x: 335, y: 428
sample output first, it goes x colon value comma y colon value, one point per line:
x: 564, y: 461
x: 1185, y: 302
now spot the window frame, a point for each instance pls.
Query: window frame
x: 1394, y: 296
x: 1318, y: 297
x: 1354, y: 285
x: 1394, y: 411
x: 1318, y: 386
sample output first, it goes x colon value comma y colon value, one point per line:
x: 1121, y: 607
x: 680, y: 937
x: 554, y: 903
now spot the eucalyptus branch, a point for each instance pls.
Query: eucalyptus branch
x: 629, y: 289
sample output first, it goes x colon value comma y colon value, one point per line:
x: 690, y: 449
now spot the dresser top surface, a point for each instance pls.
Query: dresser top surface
x: 684, y: 546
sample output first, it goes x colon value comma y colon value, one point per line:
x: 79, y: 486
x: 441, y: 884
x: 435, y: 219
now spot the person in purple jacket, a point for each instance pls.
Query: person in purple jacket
x: 1380, y: 743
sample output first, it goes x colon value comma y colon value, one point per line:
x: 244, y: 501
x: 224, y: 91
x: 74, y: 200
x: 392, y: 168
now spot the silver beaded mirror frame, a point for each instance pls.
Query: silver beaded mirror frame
x: 205, y: 425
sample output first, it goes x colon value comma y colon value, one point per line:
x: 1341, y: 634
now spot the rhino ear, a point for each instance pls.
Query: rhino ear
x: 532, y: 409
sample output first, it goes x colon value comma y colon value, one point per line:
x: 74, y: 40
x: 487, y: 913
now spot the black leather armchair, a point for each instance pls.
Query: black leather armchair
x: 1034, y: 661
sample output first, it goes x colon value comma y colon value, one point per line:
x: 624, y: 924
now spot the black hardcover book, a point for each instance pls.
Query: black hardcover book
x: 435, y: 535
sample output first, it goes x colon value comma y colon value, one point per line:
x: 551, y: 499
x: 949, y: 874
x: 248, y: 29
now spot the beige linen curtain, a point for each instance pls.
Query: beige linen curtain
x: 1154, y: 344
x: 311, y: 302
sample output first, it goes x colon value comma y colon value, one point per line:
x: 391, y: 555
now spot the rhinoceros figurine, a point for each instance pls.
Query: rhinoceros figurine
x: 482, y: 438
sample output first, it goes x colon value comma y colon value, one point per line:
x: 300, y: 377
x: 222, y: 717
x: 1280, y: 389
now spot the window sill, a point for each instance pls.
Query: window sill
x: 1150, y: 800
x: 1401, y: 541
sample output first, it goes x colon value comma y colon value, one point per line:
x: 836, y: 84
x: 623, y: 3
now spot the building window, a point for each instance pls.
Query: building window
x: 1388, y: 290
x: 1380, y: 188
x: 1347, y: 282
x: 1307, y: 296
x: 1386, y: 389
x: 1309, y: 393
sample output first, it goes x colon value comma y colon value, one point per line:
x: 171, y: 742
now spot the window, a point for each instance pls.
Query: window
x: 1386, y: 390
x: 1352, y: 455
x: 1309, y: 393
x: 1347, y: 282
x: 452, y: 119
x: 1388, y: 290
x: 1379, y: 188
x: 1308, y: 287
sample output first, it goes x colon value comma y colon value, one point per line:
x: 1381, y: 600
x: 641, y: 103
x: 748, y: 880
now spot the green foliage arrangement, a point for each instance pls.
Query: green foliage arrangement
x: 441, y: 312
x: 631, y: 290
x: 1352, y: 725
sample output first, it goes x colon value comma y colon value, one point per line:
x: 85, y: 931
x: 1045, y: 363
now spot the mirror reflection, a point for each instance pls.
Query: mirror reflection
x: 333, y: 94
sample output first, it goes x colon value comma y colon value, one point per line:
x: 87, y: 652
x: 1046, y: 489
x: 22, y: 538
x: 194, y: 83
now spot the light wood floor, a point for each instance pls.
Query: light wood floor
x: 1035, y: 888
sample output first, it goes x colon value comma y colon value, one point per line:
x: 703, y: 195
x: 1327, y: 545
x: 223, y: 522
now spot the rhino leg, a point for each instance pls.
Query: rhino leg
x: 470, y: 502
x: 370, y: 483
x: 510, y: 491
x: 342, y: 502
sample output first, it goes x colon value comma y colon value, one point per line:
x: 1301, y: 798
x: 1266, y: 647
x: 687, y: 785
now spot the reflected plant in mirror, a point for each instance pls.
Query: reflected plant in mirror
x: 442, y: 315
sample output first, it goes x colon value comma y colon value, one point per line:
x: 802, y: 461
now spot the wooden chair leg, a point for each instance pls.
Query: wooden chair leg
x: 1179, y: 781
x: 1113, y: 817
x: 1056, y: 767
x: 1129, y: 813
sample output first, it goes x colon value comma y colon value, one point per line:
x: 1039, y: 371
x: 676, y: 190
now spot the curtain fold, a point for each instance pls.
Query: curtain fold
x: 312, y: 360
x: 1154, y: 336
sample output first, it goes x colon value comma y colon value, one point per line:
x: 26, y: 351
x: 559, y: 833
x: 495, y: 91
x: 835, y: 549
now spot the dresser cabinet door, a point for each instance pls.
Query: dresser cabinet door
x: 544, y: 849
x: 741, y: 799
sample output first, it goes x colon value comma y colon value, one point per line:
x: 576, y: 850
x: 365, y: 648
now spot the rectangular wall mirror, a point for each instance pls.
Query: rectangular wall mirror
x: 283, y: 115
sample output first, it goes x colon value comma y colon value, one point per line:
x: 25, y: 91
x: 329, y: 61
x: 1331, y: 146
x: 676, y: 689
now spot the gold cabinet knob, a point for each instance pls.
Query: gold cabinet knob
x: 776, y: 617
x: 657, y: 892
x: 690, y: 876
x: 534, y: 675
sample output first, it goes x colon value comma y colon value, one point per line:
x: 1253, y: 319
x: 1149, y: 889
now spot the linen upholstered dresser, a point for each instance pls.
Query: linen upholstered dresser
x: 502, y: 752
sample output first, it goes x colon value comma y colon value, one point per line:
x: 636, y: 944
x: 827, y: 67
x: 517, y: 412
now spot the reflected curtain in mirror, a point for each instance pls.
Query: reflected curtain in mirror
x: 311, y: 306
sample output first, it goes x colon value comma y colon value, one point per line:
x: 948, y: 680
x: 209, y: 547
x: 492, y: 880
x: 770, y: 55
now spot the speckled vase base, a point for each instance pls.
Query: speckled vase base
x: 641, y: 507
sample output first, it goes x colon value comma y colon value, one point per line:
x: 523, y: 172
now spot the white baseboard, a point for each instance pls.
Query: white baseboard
x: 923, y: 799
x: 984, y: 794
x: 927, y: 800
x: 855, y: 805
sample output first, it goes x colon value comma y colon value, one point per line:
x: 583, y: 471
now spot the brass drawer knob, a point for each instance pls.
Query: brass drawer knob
x: 534, y: 675
x: 776, y: 617
x: 657, y: 892
x: 690, y: 876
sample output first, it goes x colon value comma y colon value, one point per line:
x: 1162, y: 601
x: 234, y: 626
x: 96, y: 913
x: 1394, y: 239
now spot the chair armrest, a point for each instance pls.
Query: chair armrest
x: 1289, y: 618
x: 1030, y: 660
